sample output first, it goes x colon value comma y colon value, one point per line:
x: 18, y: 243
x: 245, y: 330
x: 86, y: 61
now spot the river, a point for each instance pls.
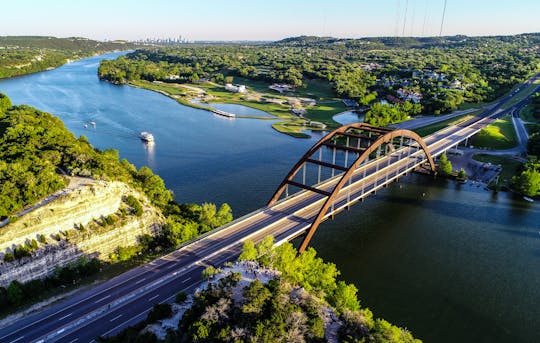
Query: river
x: 453, y: 263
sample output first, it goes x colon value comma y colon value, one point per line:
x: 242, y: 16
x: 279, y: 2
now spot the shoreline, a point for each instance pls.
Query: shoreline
x: 296, y: 132
x: 67, y: 61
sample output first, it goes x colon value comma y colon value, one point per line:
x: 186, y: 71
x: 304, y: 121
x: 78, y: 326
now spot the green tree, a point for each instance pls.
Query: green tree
x: 15, y: 293
x: 462, y: 175
x: 345, y: 297
x: 5, y: 103
x: 528, y: 182
x: 249, y: 252
x: 445, y: 166
x: 533, y: 145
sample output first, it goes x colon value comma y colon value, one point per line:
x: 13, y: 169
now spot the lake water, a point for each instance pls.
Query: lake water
x: 348, y: 117
x: 238, y: 110
x: 453, y: 263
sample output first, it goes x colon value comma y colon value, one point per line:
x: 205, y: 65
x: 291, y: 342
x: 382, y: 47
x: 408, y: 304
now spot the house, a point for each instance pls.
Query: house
x: 235, y: 88
x: 409, y: 95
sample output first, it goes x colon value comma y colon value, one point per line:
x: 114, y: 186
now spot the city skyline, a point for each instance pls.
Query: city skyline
x: 243, y: 20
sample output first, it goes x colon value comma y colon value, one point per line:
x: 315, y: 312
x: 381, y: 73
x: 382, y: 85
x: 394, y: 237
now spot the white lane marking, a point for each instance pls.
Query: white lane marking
x: 186, y: 280
x: 123, y: 323
x: 18, y: 339
x: 105, y: 297
x: 74, y: 340
x: 146, y: 311
x: 115, y: 318
x: 141, y: 280
x: 152, y: 298
x: 64, y: 317
x: 171, y: 266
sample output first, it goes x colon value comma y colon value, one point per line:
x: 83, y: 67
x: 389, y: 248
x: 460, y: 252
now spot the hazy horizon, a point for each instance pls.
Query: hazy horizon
x: 243, y: 20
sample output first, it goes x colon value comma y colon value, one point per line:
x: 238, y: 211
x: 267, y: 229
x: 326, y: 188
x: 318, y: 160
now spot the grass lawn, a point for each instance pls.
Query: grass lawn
x: 431, y: 128
x: 324, y: 112
x: 469, y: 105
x: 499, y: 136
x: 521, y: 95
x: 510, y: 166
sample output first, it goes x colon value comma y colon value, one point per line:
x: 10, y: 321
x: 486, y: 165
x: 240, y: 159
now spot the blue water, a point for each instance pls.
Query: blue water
x: 453, y: 263
x: 241, y: 110
x: 200, y: 155
x: 348, y: 117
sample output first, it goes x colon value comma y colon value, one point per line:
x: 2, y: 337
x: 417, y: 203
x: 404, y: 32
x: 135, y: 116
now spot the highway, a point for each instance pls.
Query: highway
x: 126, y: 299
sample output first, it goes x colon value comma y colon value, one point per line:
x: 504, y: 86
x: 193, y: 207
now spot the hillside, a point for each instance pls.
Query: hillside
x: 271, y: 295
x: 21, y: 55
x: 91, y: 220
x: 69, y: 211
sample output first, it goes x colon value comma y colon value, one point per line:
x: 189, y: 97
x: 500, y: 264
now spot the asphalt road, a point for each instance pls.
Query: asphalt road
x: 126, y: 299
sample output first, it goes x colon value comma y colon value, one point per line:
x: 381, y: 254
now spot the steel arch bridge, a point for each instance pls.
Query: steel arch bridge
x: 341, y: 153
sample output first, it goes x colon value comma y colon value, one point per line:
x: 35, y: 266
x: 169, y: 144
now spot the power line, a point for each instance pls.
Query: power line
x: 398, y: 17
x: 442, y: 21
x: 425, y: 18
x: 405, y: 18
x: 412, y: 20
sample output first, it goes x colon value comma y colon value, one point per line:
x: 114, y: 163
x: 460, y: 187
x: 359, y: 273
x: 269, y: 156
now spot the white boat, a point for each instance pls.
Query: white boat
x: 146, y: 136
x: 528, y: 199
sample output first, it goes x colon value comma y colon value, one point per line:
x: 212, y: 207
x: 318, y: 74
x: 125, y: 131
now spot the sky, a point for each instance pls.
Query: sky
x: 265, y: 20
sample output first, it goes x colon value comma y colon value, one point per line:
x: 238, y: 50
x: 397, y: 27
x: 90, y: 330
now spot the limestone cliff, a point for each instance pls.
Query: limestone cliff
x: 72, y: 226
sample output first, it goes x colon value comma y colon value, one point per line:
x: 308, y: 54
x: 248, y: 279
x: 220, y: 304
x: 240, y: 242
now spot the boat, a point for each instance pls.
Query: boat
x: 528, y: 199
x: 146, y: 136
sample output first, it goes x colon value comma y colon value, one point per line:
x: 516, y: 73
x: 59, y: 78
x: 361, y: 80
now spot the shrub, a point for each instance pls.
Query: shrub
x: 125, y: 253
x: 209, y: 272
x: 22, y: 251
x: 15, y: 293
x: 135, y: 205
x: 42, y: 239
x: 160, y: 311
x: 8, y: 257
x: 180, y: 297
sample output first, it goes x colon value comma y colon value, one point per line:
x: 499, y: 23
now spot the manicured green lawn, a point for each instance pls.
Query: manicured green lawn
x: 510, y: 166
x: 499, y: 136
x: 324, y: 112
x: 429, y: 129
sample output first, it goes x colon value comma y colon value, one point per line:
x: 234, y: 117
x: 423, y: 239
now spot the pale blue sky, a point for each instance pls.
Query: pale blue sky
x: 265, y: 20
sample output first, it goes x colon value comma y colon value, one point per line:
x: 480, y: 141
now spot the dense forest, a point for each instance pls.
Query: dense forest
x: 436, y: 74
x: 21, y: 55
x: 288, y: 308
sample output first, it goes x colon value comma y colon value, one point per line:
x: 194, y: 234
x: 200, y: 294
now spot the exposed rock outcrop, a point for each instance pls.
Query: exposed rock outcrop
x: 73, y: 227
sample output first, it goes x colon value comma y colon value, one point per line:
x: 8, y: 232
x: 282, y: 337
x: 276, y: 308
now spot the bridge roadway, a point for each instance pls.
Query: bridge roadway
x: 126, y: 299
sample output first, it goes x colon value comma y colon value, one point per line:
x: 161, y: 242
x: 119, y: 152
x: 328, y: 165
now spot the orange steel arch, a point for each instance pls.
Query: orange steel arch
x: 387, y: 136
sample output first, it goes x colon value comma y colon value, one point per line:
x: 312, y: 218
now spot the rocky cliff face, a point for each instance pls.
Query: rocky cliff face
x: 72, y: 226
